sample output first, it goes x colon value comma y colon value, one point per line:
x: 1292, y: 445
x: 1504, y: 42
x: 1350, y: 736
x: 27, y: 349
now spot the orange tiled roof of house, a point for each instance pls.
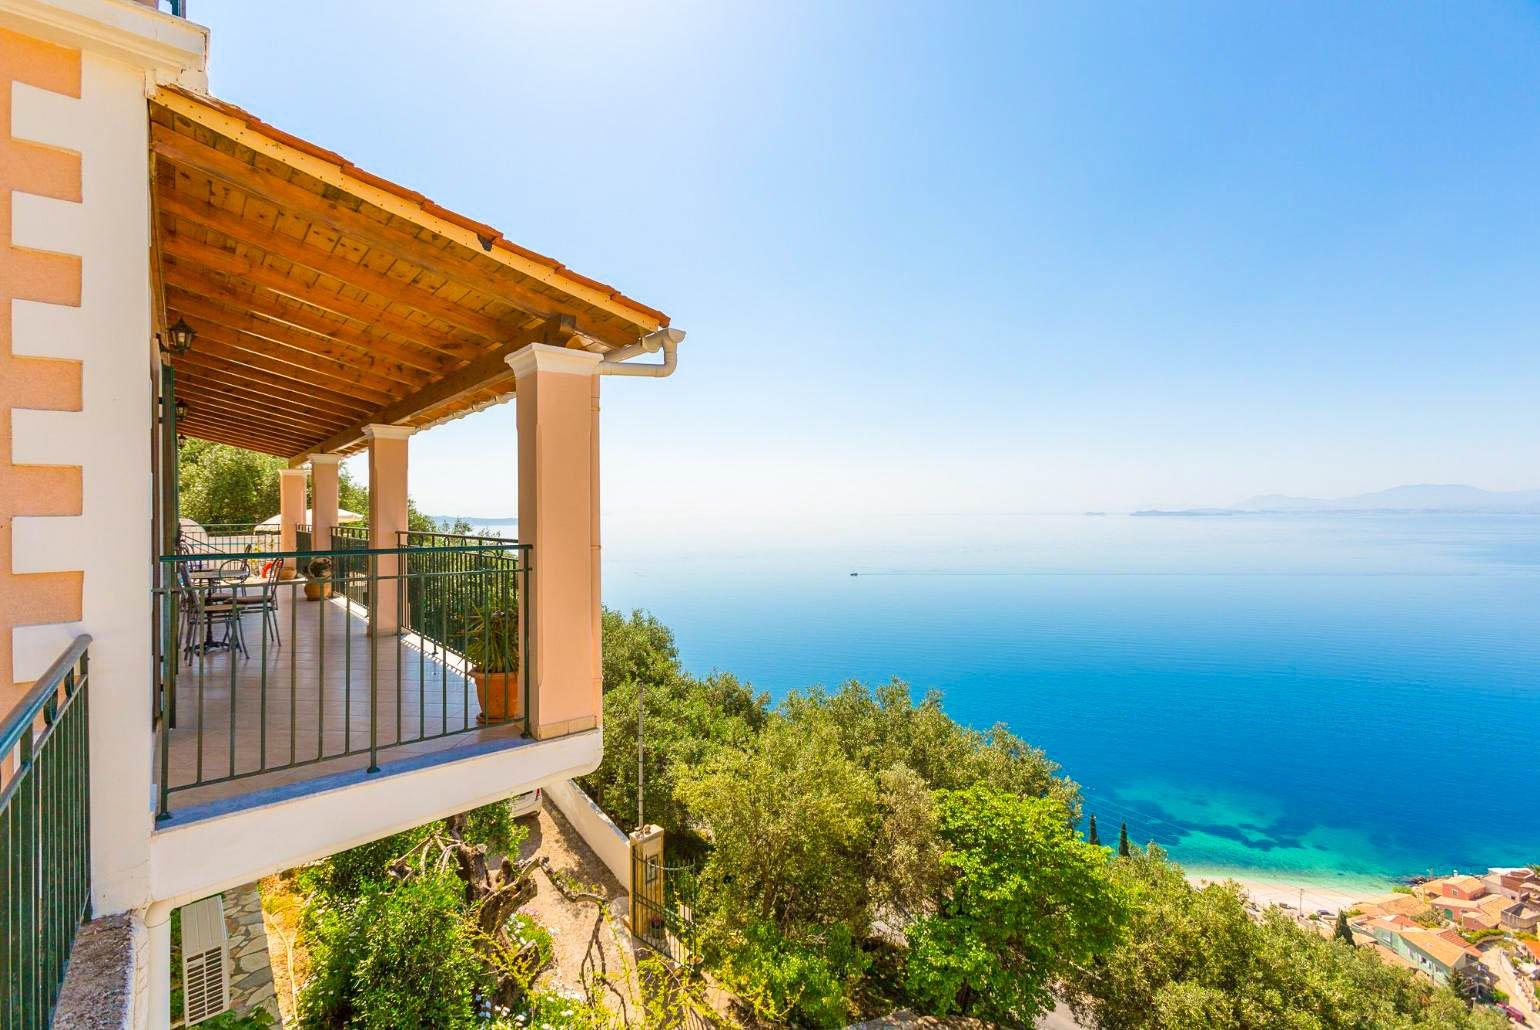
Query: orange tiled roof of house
x: 1495, y: 904
x: 1534, y: 949
x: 1393, y: 904
x: 1464, y: 883
x: 1439, y: 946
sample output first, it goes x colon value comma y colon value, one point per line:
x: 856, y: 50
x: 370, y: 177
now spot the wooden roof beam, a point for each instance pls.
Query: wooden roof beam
x: 222, y: 344
x: 221, y: 370
x: 558, y: 332
x: 303, y: 364
x: 196, y: 258
x: 234, y: 399
x: 306, y: 422
x: 399, y: 290
x: 268, y: 305
x: 188, y: 303
x: 619, y: 329
x: 246, y: 432
x: 234, y: 438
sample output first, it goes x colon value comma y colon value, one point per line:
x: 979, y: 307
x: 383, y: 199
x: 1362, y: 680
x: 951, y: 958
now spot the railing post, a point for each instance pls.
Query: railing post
x: 526, y: 610
x: 374, y: 674
x: 167, y: 698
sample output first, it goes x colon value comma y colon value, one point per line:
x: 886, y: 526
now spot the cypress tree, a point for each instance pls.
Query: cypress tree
x: 1344, y: 933
x: 1123, y: 849
x: 1091, y: 837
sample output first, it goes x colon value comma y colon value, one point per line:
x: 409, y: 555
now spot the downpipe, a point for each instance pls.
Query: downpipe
x: 667, y: 340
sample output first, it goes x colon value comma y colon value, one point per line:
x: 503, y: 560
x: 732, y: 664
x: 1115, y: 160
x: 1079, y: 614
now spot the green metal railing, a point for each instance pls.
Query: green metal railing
x: 45, y: 838
x: 268, y: 674
x: 349, y: 570
x: 456, y: 584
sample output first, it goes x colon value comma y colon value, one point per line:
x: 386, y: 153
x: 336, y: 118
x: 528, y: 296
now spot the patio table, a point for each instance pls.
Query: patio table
x: 208, y: 580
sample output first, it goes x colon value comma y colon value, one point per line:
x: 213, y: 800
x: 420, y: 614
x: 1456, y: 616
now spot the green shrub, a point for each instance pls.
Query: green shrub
x: 399, y: 957
x: 522, y: 931
x: 256, y: 1019
x: 494, y: 826
x: 1026, y: 902
x: 342, y: 877
x: 803, y: 983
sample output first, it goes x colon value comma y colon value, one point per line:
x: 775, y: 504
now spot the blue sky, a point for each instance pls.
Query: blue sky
x: 970, y: 257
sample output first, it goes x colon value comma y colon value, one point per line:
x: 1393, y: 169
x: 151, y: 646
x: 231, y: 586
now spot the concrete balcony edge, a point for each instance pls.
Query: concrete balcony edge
x: 194, y: 859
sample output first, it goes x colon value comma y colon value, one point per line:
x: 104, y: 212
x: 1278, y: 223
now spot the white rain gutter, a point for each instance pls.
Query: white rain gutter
x: 665, y: 339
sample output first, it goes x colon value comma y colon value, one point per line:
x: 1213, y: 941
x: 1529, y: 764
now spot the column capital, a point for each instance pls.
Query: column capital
x: 382, y: 431
x: 293, y: 472
x: 542, y: 357
x: 325, y: 459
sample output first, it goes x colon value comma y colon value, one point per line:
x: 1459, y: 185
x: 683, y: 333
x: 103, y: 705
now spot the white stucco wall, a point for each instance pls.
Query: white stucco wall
x: 606, y: 839
x: 211, y: 854
x: 109, y: 438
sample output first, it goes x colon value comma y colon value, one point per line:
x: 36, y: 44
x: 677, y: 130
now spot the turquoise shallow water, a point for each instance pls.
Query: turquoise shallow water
x: 1312, y: 696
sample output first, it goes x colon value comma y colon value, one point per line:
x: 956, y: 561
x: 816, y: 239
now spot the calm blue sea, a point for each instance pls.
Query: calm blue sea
x: 1346, y: 697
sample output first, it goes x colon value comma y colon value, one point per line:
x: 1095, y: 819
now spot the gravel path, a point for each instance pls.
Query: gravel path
x: 594, y: 956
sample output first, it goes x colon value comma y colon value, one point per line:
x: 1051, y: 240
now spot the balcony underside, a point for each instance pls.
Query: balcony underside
x: 302, y: 709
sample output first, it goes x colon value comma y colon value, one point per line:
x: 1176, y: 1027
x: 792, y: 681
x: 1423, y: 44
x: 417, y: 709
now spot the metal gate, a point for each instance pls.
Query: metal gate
x: 663, y: 907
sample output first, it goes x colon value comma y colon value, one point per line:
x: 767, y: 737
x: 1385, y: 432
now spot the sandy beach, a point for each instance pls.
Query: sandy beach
x: 1315, y: 895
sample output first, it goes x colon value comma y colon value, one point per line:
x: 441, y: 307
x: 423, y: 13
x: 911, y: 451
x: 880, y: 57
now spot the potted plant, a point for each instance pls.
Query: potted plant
x: 318, y: 578
x: 492, y: 651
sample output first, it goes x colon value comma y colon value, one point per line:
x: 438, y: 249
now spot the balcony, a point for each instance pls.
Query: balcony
x: 272, y: 687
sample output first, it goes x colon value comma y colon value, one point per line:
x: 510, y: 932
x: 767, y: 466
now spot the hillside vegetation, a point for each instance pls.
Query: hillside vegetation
x: 856, y: 850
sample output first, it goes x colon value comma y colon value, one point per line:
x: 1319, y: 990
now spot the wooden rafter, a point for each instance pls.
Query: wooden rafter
x: 400, y: 289
x: 187, y: 303
x: 221, y: 370
x: 325, y: 299
x: 270, y: 306
x: 557, y: 332
x: 250, y: 179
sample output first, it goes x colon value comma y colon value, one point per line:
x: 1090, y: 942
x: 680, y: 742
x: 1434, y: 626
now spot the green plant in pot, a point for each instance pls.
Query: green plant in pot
x: 318, y: 578
x: 492, y: 650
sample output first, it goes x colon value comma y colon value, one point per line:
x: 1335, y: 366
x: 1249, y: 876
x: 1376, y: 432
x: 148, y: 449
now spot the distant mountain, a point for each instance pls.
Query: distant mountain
x: 1422, y: 497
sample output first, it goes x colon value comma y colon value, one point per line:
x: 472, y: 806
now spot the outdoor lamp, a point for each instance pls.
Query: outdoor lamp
x: 181, y: 336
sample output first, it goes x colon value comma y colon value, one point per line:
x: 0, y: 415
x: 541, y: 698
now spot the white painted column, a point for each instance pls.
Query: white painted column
x: 323, y: 488
x: 387, y: 519
x: 557, y: 396
x: 291, y: 511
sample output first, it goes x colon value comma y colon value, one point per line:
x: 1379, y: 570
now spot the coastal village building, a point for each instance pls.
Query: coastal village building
x: 1520, y: 884
x: 1458, y: 887
x: 1408, y: 905
x: 179, y: 718
x: 1438, y: 953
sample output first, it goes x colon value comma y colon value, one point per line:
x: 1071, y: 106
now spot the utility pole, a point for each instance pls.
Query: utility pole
x: 640, y: 697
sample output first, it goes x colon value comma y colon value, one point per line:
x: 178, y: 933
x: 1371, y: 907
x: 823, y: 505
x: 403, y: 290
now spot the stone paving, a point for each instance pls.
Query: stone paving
x: 251, y: 968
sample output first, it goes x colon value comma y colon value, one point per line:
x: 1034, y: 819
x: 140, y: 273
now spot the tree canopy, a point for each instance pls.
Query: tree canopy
x: 220, y: 484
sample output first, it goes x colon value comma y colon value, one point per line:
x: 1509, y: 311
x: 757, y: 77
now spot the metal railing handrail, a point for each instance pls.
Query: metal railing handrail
x: 435, y: 602
x: 45, y: 838
x: 44, y: 690
x: 487, y: 537
x: 352, y: 552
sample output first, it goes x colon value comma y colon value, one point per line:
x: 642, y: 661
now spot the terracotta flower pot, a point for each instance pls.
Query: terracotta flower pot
x: 286, y: 572
x: 315, y: 589
x: 498, y: 695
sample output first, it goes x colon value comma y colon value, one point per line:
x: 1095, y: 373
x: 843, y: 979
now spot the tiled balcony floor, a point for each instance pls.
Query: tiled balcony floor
x: 308, y: 700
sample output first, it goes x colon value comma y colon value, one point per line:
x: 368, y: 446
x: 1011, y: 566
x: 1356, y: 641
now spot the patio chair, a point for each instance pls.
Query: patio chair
x: 265, y: 602
x: 201, y: 613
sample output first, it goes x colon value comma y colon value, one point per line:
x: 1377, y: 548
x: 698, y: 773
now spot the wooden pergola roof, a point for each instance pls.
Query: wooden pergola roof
x: 325, y: 298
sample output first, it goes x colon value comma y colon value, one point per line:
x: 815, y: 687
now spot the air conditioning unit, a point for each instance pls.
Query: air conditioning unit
x: 205, y: 960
